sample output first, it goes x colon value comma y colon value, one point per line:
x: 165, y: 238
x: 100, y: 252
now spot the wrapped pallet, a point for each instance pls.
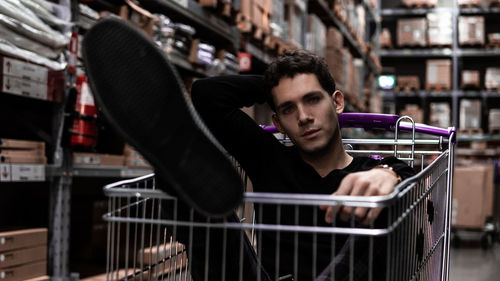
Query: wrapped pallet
x: 440, y: 29
x: 470, y: 30
x: 492, y: 79
x: 407, y: 83
x: 470, y: 79
x: 470, y: 114
x: 438, y: 75
x: 440, y: 114
x: 385, y: 39
x: 412, y: 32
x: 494, y: 120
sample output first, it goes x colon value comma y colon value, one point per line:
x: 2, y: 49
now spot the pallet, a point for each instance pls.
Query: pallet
x: 224, y: 9
x: 470, y: 86
x: 494, y: 131
x: 493, y: 45
x: 420, y: 5
x: 438, y: 88
x: 472, y: 45
x: 438, y: 45
x: 407, y: 89
x: 471, y: 131
x: 470, y: 5
x: 497, y: 90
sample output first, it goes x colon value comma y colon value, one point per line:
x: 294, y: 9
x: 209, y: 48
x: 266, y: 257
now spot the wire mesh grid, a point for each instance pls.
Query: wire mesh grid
x: 154, y: 236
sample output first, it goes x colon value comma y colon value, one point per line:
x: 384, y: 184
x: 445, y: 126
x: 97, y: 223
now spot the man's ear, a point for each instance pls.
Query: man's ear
x: 338, y: 99
x: 276, y: 122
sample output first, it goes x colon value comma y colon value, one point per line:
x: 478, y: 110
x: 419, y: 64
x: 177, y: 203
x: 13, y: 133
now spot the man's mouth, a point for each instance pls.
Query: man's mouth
x: 310, y: 133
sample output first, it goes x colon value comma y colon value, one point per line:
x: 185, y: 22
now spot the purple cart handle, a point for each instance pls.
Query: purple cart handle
x: 371, y: 121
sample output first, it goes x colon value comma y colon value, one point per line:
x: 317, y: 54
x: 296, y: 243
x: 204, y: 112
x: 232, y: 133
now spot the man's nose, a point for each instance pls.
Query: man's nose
x: 304, y: 116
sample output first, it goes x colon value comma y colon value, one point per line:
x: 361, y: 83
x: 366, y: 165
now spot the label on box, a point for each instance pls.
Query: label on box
x: 5, y: 172
x: 25, y: 71
x: 88, y: 160
x: 18, y: 86
x: 24, y: 172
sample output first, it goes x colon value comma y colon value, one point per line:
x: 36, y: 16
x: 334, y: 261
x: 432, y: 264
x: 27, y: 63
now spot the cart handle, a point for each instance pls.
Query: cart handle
x: 370, y: 121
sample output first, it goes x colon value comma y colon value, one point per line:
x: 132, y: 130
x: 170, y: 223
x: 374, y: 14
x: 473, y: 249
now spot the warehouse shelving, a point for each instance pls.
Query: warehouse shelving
x: 456, y: 53
x: 324, y: 11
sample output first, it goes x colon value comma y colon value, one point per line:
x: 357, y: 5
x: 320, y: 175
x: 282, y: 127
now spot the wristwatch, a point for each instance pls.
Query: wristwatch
x: 390, y: 169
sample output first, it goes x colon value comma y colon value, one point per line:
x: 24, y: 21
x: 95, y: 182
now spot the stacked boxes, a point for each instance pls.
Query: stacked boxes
x: 440, y: 29
x: 438, y: 75
x: 470, y: 114
x: 23, y: 254
x: 315, y: 36
x: 419, y: 3
x: 407, y: 83
x: 277, y: 18
x: 414, y: 111
x: 22, y: 160
x: 411, y: 32
x: 31, y: 80
x: 258, y: 12
x: 473, y: 195
x: 334, y: 55
x: 385, y: 38
x: 469, y: 3
x: 440, y: 114
x: 140, y: 17
x: 494, y: 120
x: 470, y: 30
x: 295, y: 17
x: 492, y: 78
x: 470, y: 79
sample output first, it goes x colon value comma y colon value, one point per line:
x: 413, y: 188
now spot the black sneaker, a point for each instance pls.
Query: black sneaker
x: 139, y: 92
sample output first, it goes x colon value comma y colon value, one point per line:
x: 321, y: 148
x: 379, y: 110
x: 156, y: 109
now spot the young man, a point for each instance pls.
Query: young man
x: 139, y: 93
x: 301, y: 91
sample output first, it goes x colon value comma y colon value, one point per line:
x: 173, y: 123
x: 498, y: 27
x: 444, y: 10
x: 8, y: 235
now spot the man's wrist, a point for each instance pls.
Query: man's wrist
x: 389, y: 169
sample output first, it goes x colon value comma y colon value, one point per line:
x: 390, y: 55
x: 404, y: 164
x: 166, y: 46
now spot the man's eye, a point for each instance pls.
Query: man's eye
x: 314, y: 99
x: 286, y: 110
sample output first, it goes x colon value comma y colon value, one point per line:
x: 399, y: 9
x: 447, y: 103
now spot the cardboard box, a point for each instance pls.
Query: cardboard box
x: 470, y: 114
x: 494, y: 119
x: 492, y: 78
x: 277, y: 18
x: 412, y: 32
x: 414, y: 111
x: 472, y: 196
x: 469, y: 3
x: 440, y: 114
x: 419, y: 3
x: 334, y: 39
x: 470, y: 79
x: 23, y: 256
x: 138, y: 16
x: 97, y: 159
x: 385, y: 39
x: 438, y: 75
x: 470, y: 30
x: 154, y: 254
x: 494, y: 38
x: 23, y: 70
x: 440, y: 29
x: 407, y: 83
x: 296, y: 19
x: 21, y: 144
x: 26, y: 238
x: 21, y: 87
x: 21, y: 172
x: 24, y: 272
x: 315, y: 36
x: 335, y: 60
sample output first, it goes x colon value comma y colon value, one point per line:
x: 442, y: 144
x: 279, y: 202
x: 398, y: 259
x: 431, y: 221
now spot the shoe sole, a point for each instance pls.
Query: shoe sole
x: 140, y: 94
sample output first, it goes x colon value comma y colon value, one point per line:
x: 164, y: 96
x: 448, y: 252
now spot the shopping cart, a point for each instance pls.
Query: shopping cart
x: 153, y: 236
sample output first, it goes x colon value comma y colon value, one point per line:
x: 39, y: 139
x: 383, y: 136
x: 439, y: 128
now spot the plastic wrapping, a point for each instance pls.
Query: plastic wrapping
x: 44, y: 12
x: 16, y: 10
x: 33, y: 33
x: 9, y: 49
x: 26, y: 43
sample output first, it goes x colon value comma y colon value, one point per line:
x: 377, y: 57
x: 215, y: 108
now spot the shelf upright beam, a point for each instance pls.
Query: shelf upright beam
x: 60, y: 184
x: 455, y: 105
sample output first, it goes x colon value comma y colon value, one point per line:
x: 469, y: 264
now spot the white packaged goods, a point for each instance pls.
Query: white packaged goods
x: 470, y: 114
x: 492, y: 78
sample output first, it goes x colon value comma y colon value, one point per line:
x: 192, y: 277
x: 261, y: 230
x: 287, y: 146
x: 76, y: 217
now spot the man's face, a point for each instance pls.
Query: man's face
x: 306, y: 112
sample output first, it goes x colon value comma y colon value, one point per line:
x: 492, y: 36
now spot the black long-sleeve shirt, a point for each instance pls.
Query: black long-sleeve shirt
x: 274, y: 167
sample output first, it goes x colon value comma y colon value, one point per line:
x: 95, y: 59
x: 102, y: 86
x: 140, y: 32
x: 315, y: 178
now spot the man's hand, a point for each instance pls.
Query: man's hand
x: 368, y: 183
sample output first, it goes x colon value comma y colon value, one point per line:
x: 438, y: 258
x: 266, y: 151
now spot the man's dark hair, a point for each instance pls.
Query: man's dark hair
x: 294, y: 62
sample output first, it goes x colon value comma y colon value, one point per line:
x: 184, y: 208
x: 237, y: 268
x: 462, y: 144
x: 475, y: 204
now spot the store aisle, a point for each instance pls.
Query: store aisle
x: 471, y: 263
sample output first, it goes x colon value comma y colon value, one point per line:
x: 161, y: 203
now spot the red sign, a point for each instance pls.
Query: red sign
x: 245, y: 61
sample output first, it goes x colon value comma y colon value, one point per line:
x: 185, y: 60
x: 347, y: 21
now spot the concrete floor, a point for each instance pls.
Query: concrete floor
x: 471, y: 263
